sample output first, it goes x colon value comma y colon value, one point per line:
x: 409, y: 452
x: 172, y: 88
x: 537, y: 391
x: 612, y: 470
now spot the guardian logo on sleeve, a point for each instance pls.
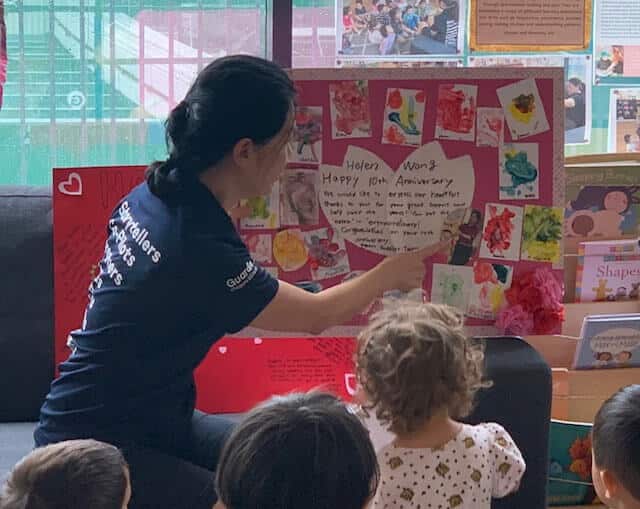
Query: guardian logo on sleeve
x: 247, y: 274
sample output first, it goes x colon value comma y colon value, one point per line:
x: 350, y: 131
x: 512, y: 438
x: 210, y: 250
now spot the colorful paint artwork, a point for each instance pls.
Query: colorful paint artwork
x: 451, y: 285
x: 265, y: 211
x: 456, y: 112
x: 327, y: 254
x: 490, y: 127
x: 542, y: 233
x: 490, y: 281
x: 523, y: 109
x: 502, y: 232
x: 259, y: 245
x: 519, y: 173
x: 350, y: 110
x: 299, y: 198
x: 305, y: 145
x: 403, y: 117
x: 289, y: 250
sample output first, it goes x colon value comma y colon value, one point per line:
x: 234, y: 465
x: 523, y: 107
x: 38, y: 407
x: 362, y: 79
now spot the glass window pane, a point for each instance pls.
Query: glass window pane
x: 88, y: 81
x: 314, y: 33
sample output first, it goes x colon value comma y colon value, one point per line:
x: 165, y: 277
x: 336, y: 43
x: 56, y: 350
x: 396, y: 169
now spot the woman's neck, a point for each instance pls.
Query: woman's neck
x: 434, y: 433
x: 220, y: 181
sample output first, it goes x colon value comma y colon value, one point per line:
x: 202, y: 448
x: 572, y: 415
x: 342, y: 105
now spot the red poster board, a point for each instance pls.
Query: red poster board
x: 241, y: 371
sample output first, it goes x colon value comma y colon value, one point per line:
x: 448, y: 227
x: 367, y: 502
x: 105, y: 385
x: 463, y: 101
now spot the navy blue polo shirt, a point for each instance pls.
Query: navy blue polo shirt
x: 174, y: 278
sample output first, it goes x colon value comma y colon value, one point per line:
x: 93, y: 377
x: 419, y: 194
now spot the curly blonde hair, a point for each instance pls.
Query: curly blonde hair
x: 414, y: 360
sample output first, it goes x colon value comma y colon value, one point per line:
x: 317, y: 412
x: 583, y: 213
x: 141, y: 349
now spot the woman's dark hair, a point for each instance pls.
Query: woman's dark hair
x: 616, y: 438
x: 593, y: 196
x: 76, y: 474
x: 577, y: 82
x: 298, y: 451
x: 225, y: 104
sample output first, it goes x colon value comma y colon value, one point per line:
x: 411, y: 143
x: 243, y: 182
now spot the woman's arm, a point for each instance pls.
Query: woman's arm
x: 296, y: 310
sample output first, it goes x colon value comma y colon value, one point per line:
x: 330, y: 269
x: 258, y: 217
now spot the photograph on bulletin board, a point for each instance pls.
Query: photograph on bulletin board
x: 624, y: 120
x: 370, y: 29
x: 380, y: 165
x: 617, y: 43
x: 578, y: 87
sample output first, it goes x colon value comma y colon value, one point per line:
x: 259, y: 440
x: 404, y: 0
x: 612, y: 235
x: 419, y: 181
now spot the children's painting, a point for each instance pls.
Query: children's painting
x: 299, y: 198
x: 451, y: 285
x: 523, y: 109
x: 403, y: 117
x: 463, y: 227
x: 502, y: 232
x: 490, y: 281
x: 519, y: 174
x: 456, y: 113
x: 490, y: 128
x: 350, y: 110
x: 265, y: 211
x: 327, y: 254
x: 305, y: 145
x: 603, y: 211
x: 542, y: 233
x: 290, y: 250
x: 259, y: 245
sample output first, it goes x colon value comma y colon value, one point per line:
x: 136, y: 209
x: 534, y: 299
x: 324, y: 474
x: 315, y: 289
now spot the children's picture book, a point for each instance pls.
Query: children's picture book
x: 608, y: 271
x: 609, y: 341
x: 603, y: 200
x: 570, y: 464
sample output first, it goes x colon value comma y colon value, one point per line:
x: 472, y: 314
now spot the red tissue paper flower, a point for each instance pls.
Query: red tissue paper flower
x: 534, y: 304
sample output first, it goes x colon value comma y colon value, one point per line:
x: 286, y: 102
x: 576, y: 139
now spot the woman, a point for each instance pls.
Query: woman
x: 574, y: 105
x: 176, y: 277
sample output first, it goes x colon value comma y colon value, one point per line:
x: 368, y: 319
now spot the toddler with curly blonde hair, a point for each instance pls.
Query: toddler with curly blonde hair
x: 420, y: 373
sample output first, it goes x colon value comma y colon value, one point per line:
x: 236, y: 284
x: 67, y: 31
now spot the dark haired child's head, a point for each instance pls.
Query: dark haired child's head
x: 627, y: 138
x: 616, y: 449
x: 415, y: 362
x: 224, y: 121
x: 301, y: 450
x: 76, y: 474
x: 346, y: 10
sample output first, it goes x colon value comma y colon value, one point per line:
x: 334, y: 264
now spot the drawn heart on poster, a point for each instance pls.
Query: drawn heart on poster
x: 72, y: 186
x: 386, y: 211
x: 222, y: 349
x: 350, y: 383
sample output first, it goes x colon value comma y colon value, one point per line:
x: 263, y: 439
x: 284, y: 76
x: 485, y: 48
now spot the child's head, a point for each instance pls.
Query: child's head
x: 627, y: 138
x: 414, y: 361
x: 76, y: 474
x: 301, y: 450
x: 346, y: 10
x: 616, y: 449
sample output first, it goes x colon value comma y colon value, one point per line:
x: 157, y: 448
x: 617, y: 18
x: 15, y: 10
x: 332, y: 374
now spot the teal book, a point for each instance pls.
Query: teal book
x: 570, y: 464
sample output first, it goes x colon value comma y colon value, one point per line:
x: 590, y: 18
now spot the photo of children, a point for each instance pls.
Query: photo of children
x: 610, y: 62
x: 370, y: 28
x: 299, y: 198
x: 624, y: 121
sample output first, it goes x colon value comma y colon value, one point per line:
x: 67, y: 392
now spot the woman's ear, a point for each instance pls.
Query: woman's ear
x: 244, y: 154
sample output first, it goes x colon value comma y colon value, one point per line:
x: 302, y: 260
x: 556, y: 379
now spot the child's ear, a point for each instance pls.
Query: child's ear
x: 219, y: 505
x: 610, y: 483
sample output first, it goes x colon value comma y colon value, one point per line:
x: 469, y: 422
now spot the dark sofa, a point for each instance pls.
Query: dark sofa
x: 26, y: 315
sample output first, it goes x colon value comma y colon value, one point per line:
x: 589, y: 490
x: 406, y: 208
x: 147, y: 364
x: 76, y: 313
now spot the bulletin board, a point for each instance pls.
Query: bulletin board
x: 381, y: 165
x: 380, y: 162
